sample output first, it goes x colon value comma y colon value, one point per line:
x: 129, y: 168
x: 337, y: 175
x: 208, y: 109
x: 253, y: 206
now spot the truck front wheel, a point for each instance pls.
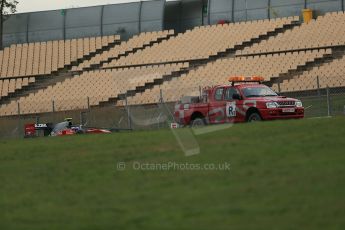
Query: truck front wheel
x: 254, y: 117
x: 198, y: 122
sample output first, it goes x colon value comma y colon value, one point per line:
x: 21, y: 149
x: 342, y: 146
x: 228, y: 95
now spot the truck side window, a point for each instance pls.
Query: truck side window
x: 219, y: 94
x: 229, y: 92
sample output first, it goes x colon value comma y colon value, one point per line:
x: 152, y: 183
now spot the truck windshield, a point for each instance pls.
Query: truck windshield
x: 258, y: 92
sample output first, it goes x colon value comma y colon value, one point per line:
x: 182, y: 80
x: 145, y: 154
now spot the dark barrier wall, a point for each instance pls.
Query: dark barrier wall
x: 185, y: 14
x: 132, y: 18
x: 321, y: 6
x: 15, y: 29
x: 191, y: 14
x: 43, y: 26
x: 85, y: 22
x: 280, y: 8
x: 241, y: 10
x: 250, y: 9
x: 172, y: 16
x: 123, y: 19
x: 221, y: 10
x: 152, y: 15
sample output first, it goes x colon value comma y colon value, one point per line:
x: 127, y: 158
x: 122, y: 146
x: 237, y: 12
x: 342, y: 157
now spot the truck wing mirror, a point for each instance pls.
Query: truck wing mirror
x: 236, y: 96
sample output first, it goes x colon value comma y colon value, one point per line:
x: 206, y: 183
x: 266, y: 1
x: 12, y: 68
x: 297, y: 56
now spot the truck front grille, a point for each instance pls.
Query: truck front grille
x: 286, y: 103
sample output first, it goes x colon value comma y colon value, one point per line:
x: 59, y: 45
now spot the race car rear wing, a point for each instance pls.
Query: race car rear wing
x: 30, y: 130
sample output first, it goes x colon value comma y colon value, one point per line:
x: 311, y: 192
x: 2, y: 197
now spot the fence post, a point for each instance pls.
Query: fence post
x: 328, y: 102
x: 18, y: 108
x: 161, y: 96
x: 89, y: 113
x: 246, y: 10
x: 128, y: 113
x: 53, y: 106
x: 319, y: 95
x: 279, y: 90
x: 88, y: 103
x: 318, y: 85
x: 19, y: 128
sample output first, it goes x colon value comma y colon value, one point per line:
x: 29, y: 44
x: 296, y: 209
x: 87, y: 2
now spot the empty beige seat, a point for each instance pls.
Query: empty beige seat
x: 201, y: 42
x: 136, y: 42
x: 323, y: 32
x: 326, y: 75
x: 218, y: 72
x: 153, y: 57
x: 43, y: 58
x: 95, y: 86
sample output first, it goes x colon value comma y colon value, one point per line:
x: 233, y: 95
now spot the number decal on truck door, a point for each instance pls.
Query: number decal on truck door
x: 231, y: 109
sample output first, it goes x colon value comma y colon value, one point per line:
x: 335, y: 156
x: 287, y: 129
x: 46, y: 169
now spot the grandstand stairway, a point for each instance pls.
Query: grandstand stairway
x: 149, y: 85
x: 231, y: 52
x: 132, y: 51
x: 86, y: 57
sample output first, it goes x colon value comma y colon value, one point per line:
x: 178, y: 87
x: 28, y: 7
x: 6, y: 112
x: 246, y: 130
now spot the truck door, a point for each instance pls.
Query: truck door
x: 234, y: 107
x: 216, y: 114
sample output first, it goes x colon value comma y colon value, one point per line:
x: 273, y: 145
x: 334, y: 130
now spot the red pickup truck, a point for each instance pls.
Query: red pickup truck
x: 246, y: 99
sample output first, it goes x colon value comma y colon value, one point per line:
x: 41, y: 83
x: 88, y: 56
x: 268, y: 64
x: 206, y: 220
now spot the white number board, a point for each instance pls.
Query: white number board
x: 231, y: 109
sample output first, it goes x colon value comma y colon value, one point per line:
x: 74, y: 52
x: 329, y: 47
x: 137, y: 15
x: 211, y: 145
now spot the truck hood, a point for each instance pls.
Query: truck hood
x: 275, y: 99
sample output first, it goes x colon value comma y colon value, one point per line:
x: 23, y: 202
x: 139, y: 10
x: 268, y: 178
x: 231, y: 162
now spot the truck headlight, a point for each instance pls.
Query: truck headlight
x: 298, y: 104
x: 271, y: 105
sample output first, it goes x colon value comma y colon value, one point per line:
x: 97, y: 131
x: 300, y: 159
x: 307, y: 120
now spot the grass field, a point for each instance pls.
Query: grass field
x: 283, y: 175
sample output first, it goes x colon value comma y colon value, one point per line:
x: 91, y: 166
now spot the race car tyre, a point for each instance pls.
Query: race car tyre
x: 198, y: 122
x: 254, y: 117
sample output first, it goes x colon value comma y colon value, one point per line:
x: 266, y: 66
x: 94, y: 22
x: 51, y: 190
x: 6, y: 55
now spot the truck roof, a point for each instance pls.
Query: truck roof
x: 241, y: 85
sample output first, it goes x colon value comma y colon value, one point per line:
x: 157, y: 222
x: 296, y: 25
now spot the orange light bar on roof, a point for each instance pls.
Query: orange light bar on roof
x: 246, y: 79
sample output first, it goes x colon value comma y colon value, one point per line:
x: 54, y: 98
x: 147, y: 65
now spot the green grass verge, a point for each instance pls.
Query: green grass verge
x: 284, y: 175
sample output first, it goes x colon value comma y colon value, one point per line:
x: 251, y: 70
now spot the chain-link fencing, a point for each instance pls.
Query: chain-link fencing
x: 152, y: 109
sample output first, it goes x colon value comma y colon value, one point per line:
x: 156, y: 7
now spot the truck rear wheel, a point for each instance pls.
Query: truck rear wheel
x: 254, y: 117
x: 198, y: 122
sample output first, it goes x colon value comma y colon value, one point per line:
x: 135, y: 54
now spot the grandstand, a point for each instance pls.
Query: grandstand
x: 63, y: 75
